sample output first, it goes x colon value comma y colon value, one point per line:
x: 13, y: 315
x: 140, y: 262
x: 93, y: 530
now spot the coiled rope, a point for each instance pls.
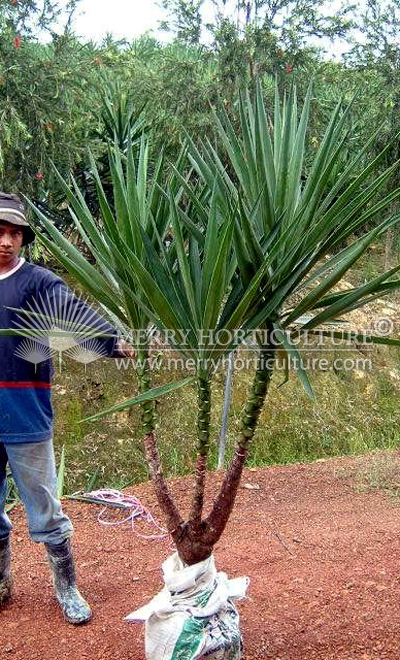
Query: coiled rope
x: 136, y: 511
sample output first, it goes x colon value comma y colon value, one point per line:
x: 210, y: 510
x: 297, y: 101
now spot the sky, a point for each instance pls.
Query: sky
x: 122, y: 18
x: 127, y: 19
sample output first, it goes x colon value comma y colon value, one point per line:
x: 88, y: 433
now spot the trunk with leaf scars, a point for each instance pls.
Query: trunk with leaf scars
x: 187, y: 535
x: 196, y: 537
x: 144, y: 378
x: 164, y: 497
x: 223, y: 505
x: 203, y: 435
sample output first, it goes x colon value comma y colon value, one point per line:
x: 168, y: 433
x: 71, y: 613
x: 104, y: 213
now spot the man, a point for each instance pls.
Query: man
x: 26, y: 412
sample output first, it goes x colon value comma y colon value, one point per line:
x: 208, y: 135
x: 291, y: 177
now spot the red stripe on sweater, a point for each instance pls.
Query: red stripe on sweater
x: 24, y: 385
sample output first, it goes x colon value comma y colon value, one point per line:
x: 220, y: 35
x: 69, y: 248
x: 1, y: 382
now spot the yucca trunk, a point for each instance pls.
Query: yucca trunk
x: 203, y: 444
x: 196, y: 538
x: 223, y: 505
x: 164, y: 497
x: 144, y: 381
x: 190, y: 542
x: 187, y: 535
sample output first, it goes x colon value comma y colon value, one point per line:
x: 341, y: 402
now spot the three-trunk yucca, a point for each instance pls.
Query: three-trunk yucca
x: 251, y: 250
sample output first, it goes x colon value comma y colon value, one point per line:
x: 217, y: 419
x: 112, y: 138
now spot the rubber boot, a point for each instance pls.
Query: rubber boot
x: 5, y: 570
x: 75, y: 609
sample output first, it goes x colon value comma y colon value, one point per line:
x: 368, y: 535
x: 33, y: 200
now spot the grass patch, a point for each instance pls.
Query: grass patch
x: 380, y: 472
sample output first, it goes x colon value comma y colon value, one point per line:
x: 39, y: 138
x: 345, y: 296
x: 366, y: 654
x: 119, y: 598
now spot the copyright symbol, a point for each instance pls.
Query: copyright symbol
x: 383, y: 327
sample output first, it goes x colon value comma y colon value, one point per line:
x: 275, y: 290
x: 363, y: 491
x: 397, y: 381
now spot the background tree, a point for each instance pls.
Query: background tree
x: 45, y: 96
x: 184, y: 19
x: 29, y: 16
x: 52, y: 95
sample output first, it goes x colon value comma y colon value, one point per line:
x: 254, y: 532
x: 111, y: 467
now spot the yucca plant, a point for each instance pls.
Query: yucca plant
x: 120, y: 126
x: 249, y: 254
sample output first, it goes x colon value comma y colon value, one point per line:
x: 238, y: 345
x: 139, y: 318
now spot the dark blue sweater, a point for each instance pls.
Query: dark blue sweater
x: 25, y: 363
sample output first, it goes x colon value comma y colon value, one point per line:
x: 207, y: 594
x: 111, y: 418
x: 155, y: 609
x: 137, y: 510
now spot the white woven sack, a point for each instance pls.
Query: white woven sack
x: 193, y: 616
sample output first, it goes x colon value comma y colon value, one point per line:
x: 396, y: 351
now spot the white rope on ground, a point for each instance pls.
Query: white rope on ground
x: 137, y: 511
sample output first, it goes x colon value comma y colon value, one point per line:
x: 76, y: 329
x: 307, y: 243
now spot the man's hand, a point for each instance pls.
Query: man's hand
x: 123, y: 349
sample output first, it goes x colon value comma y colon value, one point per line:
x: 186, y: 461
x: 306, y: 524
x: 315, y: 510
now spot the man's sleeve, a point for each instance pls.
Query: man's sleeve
x: 74, y: 316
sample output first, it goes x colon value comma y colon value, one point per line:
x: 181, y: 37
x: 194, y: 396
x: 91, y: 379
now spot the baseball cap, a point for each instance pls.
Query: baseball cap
x: 12, y: 210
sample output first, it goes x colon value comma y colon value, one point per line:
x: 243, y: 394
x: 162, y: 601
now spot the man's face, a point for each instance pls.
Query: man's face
x: 11, y: 239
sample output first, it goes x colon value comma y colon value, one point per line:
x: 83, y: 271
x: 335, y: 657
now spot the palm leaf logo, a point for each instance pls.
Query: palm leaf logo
x: 33, y: 351
x: 87, y: 352
x: 60, y: 321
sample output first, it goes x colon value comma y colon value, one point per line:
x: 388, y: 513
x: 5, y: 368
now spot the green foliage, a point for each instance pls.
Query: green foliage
x: 184, y: 19
x: 291, y: 21
x: 61, y: 474
x: 290, y: 219
x: 45, y: 104
x: 380, y: 22
x: 53, y: 97
x: 27, y: 16
x: 120, y: 127
x: 12, y: 496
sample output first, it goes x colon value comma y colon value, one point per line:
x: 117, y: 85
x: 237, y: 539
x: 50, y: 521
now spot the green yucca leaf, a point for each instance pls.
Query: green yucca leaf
x: 331, y: 262
x: 249, y: 150
x: 344, y: 304
x: 196, y: 204
x: 246, y: 266
x: 150, y: 395
x: 192, y: 227
x: 120, y: 198
x: 76, y: 202
x: 184, y: 266
x: 284, y: 156
x: 381, y: 290
x: 75, y: 263
x: 292, y: 352
x: 61, y: 474
x: 198, y: 162
x: 168, y: 284
x: 352, y: 255
x: 217, y: 283
x: 265, y: 161
x: 362, y: 219
x: 210, y: 248
x: 106, y: 213
x: 142, y: 179
x: 232, y: 145
x: 225, y: 182
x: 255, y: 250
x: 162, y: 302
x: 272, y: 306
x: 326, y: 149
x: 296, y: 162
x: 134, y: 206
x: 243, y: 305
x: 277, y: 126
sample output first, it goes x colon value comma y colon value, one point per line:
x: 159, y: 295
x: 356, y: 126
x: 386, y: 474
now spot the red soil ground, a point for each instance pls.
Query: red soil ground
x: 323, y: 559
